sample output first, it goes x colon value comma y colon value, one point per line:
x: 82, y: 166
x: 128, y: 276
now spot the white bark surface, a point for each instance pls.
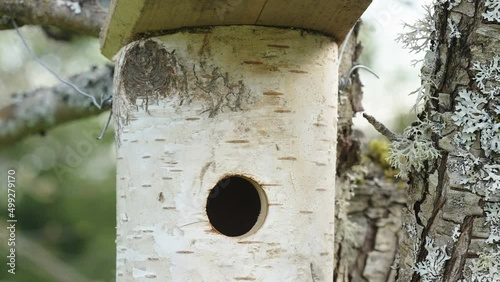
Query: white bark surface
x: 195, y: 106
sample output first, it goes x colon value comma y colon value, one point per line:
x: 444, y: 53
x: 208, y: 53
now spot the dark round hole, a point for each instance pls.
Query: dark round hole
x: 234, y: 205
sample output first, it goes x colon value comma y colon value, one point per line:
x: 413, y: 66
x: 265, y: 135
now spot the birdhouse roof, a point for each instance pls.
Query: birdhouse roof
x: 129, y: 19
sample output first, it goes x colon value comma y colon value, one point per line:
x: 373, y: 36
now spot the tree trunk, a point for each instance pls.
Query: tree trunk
x: 192, y: 108
x: 452, y: 219
x: 450, y: 224
x: 368, y: 204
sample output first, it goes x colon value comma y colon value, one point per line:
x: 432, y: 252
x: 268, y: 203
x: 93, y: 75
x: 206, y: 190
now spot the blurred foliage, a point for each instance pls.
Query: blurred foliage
x: 369, y: 45
x: 65, y: 192
x: 378, y: 152
x: 403, y: 120
x: 65, y: 199
x: 20, y: 72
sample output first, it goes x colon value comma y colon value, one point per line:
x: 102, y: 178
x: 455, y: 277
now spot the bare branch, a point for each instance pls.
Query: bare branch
x: 84, y: 16
x: 41, y: 109
x: 380, y: 127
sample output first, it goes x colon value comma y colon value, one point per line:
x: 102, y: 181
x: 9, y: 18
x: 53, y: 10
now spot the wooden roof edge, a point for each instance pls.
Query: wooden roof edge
x: 126, y: 20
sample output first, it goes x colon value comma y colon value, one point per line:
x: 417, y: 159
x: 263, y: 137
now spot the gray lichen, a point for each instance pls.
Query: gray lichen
x: 460, y: 99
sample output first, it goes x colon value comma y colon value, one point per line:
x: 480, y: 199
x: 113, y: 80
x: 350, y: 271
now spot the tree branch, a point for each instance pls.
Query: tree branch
x: 41, y: 109
x: 380, y: 127
x: 84, y: 16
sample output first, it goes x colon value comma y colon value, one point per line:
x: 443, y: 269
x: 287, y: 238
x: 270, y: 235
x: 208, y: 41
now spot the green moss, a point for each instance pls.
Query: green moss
x: 378, y: 152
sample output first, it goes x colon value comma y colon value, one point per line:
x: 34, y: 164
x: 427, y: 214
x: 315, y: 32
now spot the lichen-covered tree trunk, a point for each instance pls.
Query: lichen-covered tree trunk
x: 368, y: 204
x: 451, y: 225
x: 448, y: 229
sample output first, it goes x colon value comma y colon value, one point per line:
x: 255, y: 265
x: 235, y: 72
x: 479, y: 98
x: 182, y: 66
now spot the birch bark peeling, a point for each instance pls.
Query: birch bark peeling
x: 194, y: 107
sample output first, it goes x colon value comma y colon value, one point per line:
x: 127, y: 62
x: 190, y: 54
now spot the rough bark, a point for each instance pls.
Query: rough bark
x: 84, y: 16
x: 38, y: 110
x: 451, y: 220
x: 371, y: 236
x: 368, y: 204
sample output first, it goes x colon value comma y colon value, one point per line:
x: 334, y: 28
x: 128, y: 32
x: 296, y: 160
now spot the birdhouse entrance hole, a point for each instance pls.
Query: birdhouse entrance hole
x: 236, y: 206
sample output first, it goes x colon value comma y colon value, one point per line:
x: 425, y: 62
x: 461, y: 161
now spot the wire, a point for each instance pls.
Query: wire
x: 94, y: 101
x: 362, y: 67
x: 106, y: 126
x: 342, y: 47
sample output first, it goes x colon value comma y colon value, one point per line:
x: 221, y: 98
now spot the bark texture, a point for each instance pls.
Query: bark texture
x: 196, y: 106
x: 41, y: 109
x: 451, y: 220
x: 368, y: 204
x: 83, y: 16
x: 38, y: 110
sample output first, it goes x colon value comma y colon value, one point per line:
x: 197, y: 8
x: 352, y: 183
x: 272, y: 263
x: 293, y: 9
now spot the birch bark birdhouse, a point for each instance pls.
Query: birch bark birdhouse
x: 226, y: 133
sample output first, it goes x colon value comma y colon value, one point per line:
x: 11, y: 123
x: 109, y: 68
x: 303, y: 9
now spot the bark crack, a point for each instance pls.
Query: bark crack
x: 455, y: 265
x: 438, y: 206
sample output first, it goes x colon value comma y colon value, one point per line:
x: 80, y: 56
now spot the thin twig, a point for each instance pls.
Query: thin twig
x: 380, y: 127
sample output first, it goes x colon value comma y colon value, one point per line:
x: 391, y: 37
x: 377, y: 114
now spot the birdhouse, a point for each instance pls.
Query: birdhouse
x: 226, y: 133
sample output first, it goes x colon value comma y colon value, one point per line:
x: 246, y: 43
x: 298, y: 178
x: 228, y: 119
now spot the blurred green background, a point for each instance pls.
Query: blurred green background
x: 65, y: 192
